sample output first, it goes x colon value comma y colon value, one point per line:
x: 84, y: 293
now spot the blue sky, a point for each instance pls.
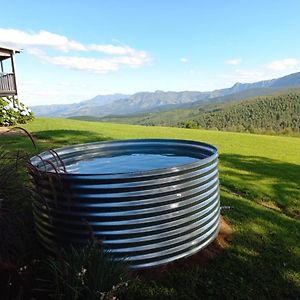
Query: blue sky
x: 74, y: 50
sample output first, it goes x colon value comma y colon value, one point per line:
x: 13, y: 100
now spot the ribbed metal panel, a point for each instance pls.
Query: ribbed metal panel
x: 150, y: 217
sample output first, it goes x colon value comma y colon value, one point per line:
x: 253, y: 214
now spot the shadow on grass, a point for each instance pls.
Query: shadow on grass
x: 263, y: 179
x: 52, y: 139
x: 265, y: 253
x: 262, y: 261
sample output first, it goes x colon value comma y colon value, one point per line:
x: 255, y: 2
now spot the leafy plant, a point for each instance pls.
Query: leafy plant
x: 18, y: 245
x: 90, y: 272
x: 12, y: 184
x: 13, y: 112
x: 13, y: 179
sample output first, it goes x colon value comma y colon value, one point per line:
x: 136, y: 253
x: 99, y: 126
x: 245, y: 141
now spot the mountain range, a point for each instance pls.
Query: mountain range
x: 121, y: 104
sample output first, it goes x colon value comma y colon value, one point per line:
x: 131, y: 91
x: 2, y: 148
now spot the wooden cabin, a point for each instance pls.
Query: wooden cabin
x: 8, y: 84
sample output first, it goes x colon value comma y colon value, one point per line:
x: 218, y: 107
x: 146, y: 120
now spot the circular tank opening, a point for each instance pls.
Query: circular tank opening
x: 127, y: 163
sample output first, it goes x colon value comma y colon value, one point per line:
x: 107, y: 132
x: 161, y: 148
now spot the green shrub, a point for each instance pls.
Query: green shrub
x: 13, y: 112
x: 191, y: 124
x: 90, y: 272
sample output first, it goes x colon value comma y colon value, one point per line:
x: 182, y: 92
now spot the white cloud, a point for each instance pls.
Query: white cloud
x: 37, y: 43
x: 35, y: 51
x: 234, y: 61
x: 83, y: 63
x: 272, y: 70
x: 245, y: 76
x: 283, y: 64
x: 112, y: 49
x: 96, y: 65
x: 18, y: 38
x: 184, y: 60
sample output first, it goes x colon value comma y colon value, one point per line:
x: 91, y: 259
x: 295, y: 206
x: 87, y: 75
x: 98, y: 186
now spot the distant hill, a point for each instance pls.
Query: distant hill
x: 278, y: 113
x: 65, y: 110
x: 119, y: 104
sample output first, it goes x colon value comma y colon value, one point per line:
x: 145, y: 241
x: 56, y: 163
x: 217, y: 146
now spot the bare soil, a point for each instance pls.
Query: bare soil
x: 201, y: 258
x: 11, y: 132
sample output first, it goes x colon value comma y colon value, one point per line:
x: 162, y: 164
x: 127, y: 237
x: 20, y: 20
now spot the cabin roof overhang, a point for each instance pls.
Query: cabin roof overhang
x: 6, y: 53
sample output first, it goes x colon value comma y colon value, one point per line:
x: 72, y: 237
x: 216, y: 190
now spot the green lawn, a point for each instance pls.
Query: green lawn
x: 260, y: 181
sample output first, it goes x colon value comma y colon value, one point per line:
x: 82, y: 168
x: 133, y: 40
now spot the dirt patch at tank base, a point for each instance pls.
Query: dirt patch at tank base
x: 202, y: 257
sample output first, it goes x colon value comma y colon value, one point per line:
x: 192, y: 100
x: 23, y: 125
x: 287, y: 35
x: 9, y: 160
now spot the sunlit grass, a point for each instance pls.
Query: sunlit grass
x: 263, y: 260
x: 267, y: 167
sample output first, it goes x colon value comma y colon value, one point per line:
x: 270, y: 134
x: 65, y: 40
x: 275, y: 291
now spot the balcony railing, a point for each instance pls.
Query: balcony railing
x: 7, y: 84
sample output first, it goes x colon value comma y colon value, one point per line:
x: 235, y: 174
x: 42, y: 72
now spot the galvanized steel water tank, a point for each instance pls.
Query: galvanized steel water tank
x: 151, y: 216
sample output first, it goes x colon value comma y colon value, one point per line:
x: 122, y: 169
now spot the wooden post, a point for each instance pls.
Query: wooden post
x: 2, y: 66
x: 14, y: 74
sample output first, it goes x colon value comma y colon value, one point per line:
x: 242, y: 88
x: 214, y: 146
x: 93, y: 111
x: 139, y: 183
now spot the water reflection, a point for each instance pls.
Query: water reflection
x: 127, y: 163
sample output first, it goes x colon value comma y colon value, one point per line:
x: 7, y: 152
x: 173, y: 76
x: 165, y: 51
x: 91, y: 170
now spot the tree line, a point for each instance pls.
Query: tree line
x: 271, y: 114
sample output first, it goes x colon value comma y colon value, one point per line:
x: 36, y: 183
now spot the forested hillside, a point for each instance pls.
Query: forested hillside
x: 275, y: 114
x: 271, y: 114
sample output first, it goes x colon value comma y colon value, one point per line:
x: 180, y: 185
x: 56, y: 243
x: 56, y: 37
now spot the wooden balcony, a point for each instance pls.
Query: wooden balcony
x: 7, y: 84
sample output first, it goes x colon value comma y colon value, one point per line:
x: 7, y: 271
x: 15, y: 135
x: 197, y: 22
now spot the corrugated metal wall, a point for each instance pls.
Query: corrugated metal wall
x: 151, y: 217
